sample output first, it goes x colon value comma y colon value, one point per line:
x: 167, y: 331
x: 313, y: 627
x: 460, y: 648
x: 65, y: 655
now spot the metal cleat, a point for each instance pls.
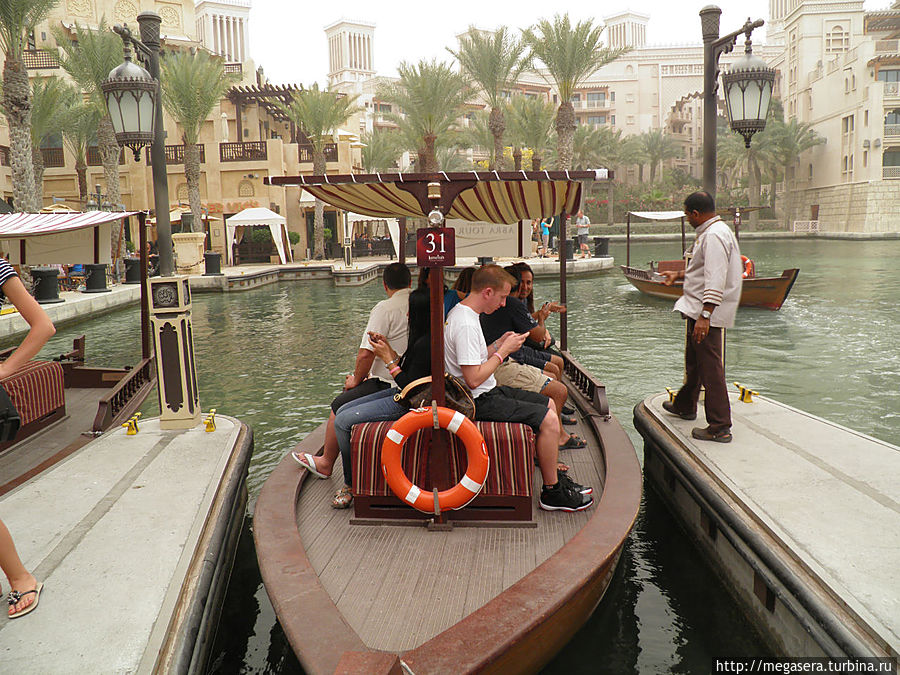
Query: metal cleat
x: 132, y: 426
x: 671, y: 395
x: 210, y: 420
x: 747, y: 394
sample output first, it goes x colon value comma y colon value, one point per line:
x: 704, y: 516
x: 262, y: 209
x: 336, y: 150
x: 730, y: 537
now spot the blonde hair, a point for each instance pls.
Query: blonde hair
x: 491, y: 276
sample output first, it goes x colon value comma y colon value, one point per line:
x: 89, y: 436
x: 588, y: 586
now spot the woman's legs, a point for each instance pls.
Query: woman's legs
x: 378, y: 407
x: 19, y: 577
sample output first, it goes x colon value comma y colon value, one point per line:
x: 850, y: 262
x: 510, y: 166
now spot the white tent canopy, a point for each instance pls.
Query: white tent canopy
x: 260, y: 216
x: 58, y: 238
x: 658, y: 215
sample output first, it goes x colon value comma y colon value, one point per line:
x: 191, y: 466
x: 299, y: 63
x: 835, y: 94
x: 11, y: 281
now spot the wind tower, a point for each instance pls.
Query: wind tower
x: 351, y: 52
x: 626, y: 29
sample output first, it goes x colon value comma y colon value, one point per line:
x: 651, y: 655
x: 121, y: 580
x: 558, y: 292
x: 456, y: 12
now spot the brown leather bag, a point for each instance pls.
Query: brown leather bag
x: 417, y: 394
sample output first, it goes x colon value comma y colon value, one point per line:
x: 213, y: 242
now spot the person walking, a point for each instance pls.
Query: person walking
x: 712, y: 291
x: 583, y: 229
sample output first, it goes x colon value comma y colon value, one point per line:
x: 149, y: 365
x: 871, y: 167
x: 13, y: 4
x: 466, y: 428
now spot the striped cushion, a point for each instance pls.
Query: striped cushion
x: 510, y: 447
x: 36, y: 389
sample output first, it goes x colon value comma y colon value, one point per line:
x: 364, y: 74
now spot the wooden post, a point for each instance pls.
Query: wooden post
x: 439, y: 452
x: 683, y: 240
x: 628, y: 238
x: 145, y: 300
x: 521, y: 237
x: 563, y: 324
x: 401, y: 245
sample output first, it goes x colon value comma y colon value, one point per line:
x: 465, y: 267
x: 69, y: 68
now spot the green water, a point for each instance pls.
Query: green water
x: 275, y: 356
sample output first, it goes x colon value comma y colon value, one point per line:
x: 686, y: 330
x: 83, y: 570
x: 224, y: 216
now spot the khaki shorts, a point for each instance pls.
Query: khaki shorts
x: 520, y: 376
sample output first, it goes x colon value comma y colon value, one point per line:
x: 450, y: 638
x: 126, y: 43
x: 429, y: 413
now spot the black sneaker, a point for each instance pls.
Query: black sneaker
x: 564, y: 477
x: 563, y: 497
x: 567, y: 409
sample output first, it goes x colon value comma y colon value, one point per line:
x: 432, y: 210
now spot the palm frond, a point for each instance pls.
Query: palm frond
x: 319, y: 114
x: 51, y: 99
x: 90, y: 57
x: 192, y: 84
x: 493, y: 61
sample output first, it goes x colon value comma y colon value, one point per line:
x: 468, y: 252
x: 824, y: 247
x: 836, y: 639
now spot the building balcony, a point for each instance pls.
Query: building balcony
x: 94, y: 159
x: 305, y: 152
x: 591, y: 105
x: 53, y: 157
x: 234, y: 68
x: 889, y: 172
x: 891, y: 89
x: 38, y: 59
x: 887, y: 46
x: 891, y: 130
x: 175, y: 154
x: 251, y: 151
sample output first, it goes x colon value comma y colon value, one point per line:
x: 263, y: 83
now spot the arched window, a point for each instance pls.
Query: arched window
x: 182, y: 192
x: 837, y: 40
x: 245, y: 189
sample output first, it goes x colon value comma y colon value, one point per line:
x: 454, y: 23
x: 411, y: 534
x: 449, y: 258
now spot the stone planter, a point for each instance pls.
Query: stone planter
x: 189, y: 248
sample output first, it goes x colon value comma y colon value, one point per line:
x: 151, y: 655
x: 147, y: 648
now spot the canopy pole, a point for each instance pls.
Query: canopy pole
x: 439, y: 452
x: 401, y: 245
x: 563, y: 324
x: 521, y: 239
x: 628, y: 238
x: 683, y: 240
x: 145, y: 301
x: 96, y: 244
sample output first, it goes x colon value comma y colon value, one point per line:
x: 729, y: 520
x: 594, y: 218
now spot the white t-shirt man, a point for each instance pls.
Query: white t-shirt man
x: 464, y: 345
x: 390, y: 318
x: 583, y: 225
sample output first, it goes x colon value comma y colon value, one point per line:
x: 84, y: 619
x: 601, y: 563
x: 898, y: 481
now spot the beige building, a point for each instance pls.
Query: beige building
x: 245, y: 138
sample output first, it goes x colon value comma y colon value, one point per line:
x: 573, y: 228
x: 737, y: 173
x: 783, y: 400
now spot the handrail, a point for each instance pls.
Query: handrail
x: 593, y: 390
x: 116, y: 401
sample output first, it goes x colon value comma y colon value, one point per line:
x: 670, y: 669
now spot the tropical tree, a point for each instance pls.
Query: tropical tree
x: 88, y: 59
x: 431, y: 96
x: 319, y: 114
x: 657, y: 146
x: 530, y: 121
x: 17, y: 19
x: 570, y: 54
x: 79, y: 133
x: 478, y: 136
x: 792, y: 139
x: 192, y: 84
x: 381, y: 150
x: 616, y: 152
x: 51, y: 99
x: 493, y: 61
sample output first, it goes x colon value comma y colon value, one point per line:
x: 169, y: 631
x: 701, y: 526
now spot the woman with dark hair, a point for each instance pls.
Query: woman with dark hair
x: 381, y: 406
x: 460, y: 289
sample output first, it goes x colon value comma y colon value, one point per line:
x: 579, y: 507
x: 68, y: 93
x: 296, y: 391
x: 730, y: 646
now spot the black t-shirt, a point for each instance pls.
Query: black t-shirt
x: 416, y: 362
x: 514, y: 316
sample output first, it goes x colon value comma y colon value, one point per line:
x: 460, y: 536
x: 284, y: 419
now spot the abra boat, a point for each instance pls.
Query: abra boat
x: 495, y: 588
x: 762, y: 292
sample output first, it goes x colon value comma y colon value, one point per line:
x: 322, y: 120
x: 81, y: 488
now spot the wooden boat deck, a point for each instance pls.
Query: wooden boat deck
x: 825, y: 499
x: 399, y: 586
x: 131, y: 536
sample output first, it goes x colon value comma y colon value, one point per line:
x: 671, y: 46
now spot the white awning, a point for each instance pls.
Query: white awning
x: 260, y: 216
x: 58, y: 238
x: 658, y: 215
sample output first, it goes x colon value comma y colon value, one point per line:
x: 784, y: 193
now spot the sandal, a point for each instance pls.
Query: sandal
x: 568, y: 419
x: 573, y: 443
x: 342, y: 498
x: 15, y: 597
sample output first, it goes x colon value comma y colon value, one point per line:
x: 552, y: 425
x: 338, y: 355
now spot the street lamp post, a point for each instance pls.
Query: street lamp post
x: 748, y: 88
x: 132, y: 96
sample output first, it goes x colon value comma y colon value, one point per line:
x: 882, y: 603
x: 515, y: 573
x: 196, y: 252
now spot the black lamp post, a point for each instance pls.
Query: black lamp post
x: 132, y: 96
x: 96, y: 201
x: 748, y: 88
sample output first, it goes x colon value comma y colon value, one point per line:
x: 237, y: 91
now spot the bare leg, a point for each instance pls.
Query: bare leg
x: 19, y: 578
x: 547, y: 446
x: 557, y: 393
x: 325, y: 461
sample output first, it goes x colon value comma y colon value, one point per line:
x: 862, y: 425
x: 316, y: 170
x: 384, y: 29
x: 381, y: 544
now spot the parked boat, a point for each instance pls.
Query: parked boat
x: 762, y: 292
x: 356, y: 593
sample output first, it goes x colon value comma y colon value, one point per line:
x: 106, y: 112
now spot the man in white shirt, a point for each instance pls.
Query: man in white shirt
x: 468, y: 357
x: 712, y: 290
x: 582, y: 230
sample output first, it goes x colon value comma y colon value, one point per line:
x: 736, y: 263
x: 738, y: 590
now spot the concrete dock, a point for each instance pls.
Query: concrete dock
x: 800, y: 516
x: 133, y: 538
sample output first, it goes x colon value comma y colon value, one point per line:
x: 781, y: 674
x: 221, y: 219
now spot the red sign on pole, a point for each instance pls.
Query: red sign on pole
x: 435, y: 247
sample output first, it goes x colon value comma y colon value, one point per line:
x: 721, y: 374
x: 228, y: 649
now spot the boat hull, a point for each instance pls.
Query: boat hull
x: 519, y: 630
x: 762, y: 292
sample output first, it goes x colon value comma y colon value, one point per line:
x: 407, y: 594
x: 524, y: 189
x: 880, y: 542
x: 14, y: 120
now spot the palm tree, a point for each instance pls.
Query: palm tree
x: 51, y: 99
x: 530, y: 122
x: 319, y: 114
x: 792, y: 139
x: 381, y: 150
x: 478, y: 136
x: 657, y: 146
x: 17, y: 19
x: 570, y: 55
x: 616, y: 152
x: 192, y: 84
x: 79, y: 133
x: 494, y: 62
x: 431, y: 97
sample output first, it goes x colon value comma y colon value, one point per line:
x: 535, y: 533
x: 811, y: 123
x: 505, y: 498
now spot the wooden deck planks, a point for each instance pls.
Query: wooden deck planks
x: 398, y: 586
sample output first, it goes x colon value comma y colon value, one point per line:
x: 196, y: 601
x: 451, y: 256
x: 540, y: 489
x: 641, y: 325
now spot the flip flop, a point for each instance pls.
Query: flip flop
x: 15, y: 597
x: 573, y: 443
x: 568, y: 419
x: 307, y: 461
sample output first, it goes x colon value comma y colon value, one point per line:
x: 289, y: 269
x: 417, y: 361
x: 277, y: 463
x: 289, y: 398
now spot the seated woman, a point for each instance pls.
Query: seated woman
x: 380, y: 406
x: 460, y: 289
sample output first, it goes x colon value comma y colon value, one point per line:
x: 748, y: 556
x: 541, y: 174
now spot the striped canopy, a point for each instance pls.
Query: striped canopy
x: 18, y: 225
x: 493, y: 197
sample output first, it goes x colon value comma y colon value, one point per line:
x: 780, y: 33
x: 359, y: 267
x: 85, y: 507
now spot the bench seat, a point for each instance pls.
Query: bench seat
x: 507, y: 493
x: 37, y: 392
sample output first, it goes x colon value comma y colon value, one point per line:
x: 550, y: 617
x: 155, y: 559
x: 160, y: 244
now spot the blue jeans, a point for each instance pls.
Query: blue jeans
x: 377, y: 407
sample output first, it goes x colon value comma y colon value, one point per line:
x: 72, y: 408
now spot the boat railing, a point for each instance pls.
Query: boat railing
x: 593, y: 390
x: 116, y: 402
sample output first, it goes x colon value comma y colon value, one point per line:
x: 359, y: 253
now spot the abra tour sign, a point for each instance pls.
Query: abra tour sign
x: 435, y: 247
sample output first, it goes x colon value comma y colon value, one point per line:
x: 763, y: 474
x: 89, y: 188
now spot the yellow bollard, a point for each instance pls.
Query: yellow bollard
x: 132, y: 427
x: 671, y: 395
x: 211, y: 420
x: 747, y: 394
x: 135, y: 417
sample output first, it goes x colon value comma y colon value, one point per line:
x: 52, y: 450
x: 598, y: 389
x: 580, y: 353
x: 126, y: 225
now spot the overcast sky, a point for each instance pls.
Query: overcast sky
x: 287, y: 37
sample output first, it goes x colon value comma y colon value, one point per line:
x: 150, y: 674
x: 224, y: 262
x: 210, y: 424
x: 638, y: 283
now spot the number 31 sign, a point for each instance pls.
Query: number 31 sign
x: 435, y: 247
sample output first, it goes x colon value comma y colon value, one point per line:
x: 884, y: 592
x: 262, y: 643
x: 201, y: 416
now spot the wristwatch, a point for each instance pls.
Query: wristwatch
x: 705, y: 314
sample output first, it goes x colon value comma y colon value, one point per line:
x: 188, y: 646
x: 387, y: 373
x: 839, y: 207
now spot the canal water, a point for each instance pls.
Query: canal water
x: 275, y: 356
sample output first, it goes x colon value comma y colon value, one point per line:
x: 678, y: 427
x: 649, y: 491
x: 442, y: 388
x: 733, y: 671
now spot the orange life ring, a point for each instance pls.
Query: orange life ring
x: 476, y: 453
x: 749, y: 267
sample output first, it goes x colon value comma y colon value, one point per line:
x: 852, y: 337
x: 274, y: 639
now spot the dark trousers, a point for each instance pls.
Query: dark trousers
x: 703, y: 365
